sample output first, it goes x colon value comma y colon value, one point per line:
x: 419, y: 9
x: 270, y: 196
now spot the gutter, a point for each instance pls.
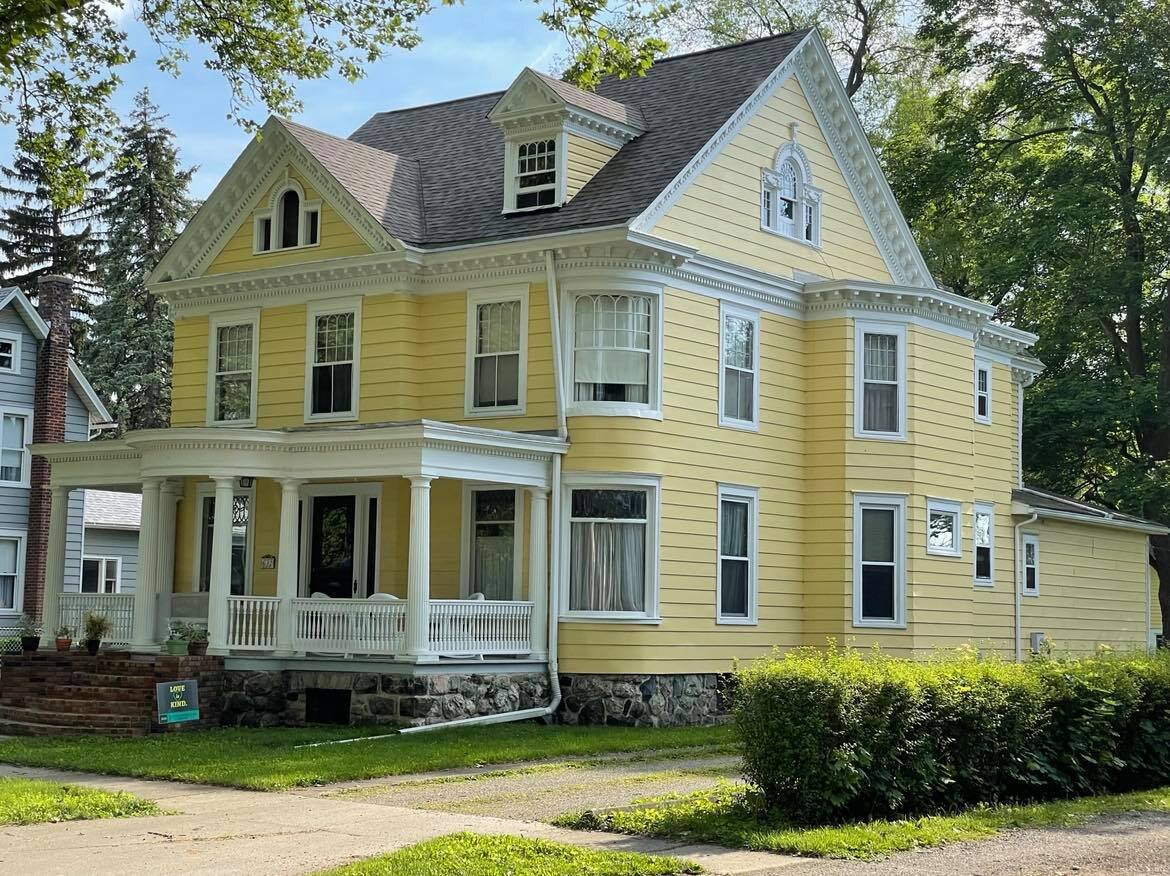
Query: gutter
x: 1019, y: 581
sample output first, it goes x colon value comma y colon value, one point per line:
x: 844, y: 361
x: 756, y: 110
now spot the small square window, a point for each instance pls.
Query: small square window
x: 942, y: 528
x: 9, y: 350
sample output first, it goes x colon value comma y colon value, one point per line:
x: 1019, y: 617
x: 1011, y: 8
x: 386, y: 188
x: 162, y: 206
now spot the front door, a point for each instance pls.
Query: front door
x: 340, y: 552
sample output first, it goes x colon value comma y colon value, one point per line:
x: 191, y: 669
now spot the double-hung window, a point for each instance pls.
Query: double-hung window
x: 613, y: 546
x: 736, y: 598
x: 739, y: 375
x: 493, y: 569
x: 101, y: 574
x: 614, y: 351
x: 9, y: 354
x: 534, y: 180
x: 15, y: 434
x: 984, y: 538
x: 234, y: 352
x: 334, y: 334
x: 879, y: 560
x: 943, y: 528
x: 982, y: 391
x: 11, y: 571
x: 879, y: 409
x: 497, y: 351
x: 1030, y: 582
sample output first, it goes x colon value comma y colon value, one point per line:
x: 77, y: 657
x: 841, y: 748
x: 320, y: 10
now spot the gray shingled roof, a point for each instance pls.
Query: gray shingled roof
x: 593, y: 102
x: 104, y: 508
x: 433, y: 175
x: 1045, y: 501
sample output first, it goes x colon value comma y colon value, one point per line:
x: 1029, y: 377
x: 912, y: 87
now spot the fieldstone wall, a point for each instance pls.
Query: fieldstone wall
x: 643, y: 700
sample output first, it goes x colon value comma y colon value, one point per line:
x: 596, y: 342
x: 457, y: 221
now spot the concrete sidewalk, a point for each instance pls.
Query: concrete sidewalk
x: 227, y: 831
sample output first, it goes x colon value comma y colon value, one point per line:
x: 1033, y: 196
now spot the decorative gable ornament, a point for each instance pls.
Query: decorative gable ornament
x: 790, y: 205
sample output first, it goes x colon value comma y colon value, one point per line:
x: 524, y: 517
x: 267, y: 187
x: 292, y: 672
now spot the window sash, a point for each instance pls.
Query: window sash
x: 943, y: 528
x: 609, y: 559
x: 740, y: 368
x: 334, y: 357
x: 982, y: 393
x: 103, y: 575
x: 736, y: 557
x: 983, y: 538
x: 493, y: 547
x: 879, y: 558
x: 496, y: 357
x: 613, y: 339
x: 7, y: 355
x: 234, y: 363
x: 1031, y: 582
x: 14, y: 436
x: 881, y: 382
x: 9, y: 571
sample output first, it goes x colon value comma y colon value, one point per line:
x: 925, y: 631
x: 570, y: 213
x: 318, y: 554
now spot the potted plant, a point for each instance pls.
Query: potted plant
x: 30, y: 635
x: 64, y: 638
x: 176, y: 643
x: 196, y: 637
x: 97, y: 627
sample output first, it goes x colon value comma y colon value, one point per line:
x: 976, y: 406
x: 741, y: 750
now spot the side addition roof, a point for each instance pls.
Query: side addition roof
x: 109, y: 510
x: 1055, y: 506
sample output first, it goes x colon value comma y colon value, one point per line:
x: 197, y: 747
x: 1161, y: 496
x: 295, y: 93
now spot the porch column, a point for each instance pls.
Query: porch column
x: 538, y: 570
x: 221, y: 566
x: 418, y: 575
x: 169, y: 495
x: 287, y: 562
x: 54, y: 565
x: 146, y: 581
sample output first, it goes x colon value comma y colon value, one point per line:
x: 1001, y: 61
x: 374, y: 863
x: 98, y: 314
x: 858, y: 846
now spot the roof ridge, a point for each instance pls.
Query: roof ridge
x: 803, y: 31
x: 418, y: 106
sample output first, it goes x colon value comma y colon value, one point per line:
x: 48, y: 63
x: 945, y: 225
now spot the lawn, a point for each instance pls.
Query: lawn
x: 726, y: 816
x: 30, y: 801
x: 465, y: 854
x: 269, y: 760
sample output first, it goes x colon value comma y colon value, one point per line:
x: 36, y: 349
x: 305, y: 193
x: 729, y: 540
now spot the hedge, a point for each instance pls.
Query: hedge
x: 832, y: 734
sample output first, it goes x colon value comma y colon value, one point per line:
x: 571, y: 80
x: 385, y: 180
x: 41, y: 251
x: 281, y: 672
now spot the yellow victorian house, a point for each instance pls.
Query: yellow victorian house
x: 549, y: 401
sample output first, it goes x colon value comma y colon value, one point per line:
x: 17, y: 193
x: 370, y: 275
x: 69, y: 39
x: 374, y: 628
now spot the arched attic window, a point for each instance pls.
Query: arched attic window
x: 290, y: 221
x: 790, y: 205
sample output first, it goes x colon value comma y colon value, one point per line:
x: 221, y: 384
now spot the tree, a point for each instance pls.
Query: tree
x: 129, y: 353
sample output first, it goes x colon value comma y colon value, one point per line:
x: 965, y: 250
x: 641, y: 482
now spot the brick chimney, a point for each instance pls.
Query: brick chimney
x: 54, y: 303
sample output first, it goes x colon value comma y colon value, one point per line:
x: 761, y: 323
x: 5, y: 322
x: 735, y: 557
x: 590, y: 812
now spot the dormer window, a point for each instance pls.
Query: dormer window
x: 289, y: 222
x: 789, y: 203
x: 534, y: 178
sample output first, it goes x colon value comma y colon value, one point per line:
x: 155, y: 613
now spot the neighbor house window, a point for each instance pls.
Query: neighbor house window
x: 497, y: 351
x: 942, y: 528
x: 790, y: 206
x: 492, y: 562
x: 334, y: 332
x: 984, y: 536
x: 1031, y: 580
x: 100, y: 574
x: 880, y: 381
x: 241, y: 514
x: 15, y: 433
x: 739, y: 368
x: 534, y: 178
x: 879, y: 559
x: 289, y: 222
x: 982, y: 391
x: 232, y: 399
x: 11, y: 566
x: 10, y: 354
x: 613, y: 342
x: 612, y: 562
x: 736, y: 573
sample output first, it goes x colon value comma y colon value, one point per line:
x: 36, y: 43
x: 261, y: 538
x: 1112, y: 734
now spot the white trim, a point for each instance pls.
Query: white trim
x: 20, y: 536
x: 26, y: 459
x: 495, y: 295
x: 16, y: 339
x: 983, y: 364
x: 806, y: 196
x: 560, y: 160
x: 214, y: 323
x: 955, y: 510
x: 101, y: 578
x: 982, y: 508
x: 329, y: 308
x: 1029, y: 538
x: 881, y: 501
x: 362, y: 490
x: 727, y: 309
x: 861, y: 329
x: 652, y: 484
x: 470, y: 488
x: 207, y: 491
x: 751, y: 497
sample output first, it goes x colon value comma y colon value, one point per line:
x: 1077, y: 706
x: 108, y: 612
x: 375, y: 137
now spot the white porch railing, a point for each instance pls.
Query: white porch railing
x: 349, y: 626
x: 252, y: 622
x: 464, y: 626
x: 118, y: 607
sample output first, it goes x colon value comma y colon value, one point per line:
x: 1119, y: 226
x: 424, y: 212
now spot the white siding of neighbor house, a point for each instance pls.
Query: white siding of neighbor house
x: 122, y: 543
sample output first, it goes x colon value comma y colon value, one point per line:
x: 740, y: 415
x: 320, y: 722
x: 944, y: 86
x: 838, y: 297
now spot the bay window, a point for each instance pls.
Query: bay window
x: 879, y: 560
x: 614, y: 344
x: 334, y: 333
x: 15, y: 433
x: 234, y: 351
x: 984, y: 536
x: 739, y: 368
x: 497, y: 351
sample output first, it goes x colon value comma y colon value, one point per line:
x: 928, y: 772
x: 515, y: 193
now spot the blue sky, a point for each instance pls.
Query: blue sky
x: 466, y: 49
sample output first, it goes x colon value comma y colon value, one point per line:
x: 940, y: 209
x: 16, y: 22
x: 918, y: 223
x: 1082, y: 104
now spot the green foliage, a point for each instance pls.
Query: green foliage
x: 29, y: 801
x: 487, y: 855
x: 96, y: 626
x: 604, y: 38
x: 832, y: 734
x: 27, y: 626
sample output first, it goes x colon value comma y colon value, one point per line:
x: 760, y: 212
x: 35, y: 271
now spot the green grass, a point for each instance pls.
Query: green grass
x: 726, y: 816
x: 268, y: 760
x: 30, y: 801
x: 466, y: 854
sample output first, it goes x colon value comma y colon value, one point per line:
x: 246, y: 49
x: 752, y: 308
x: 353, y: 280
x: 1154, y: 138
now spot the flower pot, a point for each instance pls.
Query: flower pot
x: 197, y: 649
x: 92, y: 645
x: 28, y: 644
x: 175, y: 647
x: 63, y: 644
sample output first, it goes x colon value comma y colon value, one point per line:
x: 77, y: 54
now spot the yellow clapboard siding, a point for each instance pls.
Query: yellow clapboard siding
x: 585, y: 158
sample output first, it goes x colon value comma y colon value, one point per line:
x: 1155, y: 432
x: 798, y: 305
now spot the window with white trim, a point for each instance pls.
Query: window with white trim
x: 790, y: 205
x: 943, y: 528
x: 492, y: 564
x: 612, y: 551
x: 535, y: 174
x: 232, y: 400
x: 880, y: 381
x: 101, y: 574
x: 333, y: 356
x: 11, y: 572
x: 242, y: 504
x: 982, y: 391
x: 497, y: 351
x: 983, y: 537
x: 290, y: 221
x: 15, y: 434
x: 613, y: 348
x: 1030, y: 582
x: 739, y: 363
x: 736, y: 599
x: 879, y: 560
x: 10, y: 354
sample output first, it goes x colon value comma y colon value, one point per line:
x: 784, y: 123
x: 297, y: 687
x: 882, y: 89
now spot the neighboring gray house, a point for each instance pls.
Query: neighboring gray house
x: 109, y: 556
x: 21, y: 331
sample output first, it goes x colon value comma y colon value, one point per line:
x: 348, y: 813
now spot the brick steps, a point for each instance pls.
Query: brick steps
x: 50, y: 717
x: 25, y: 728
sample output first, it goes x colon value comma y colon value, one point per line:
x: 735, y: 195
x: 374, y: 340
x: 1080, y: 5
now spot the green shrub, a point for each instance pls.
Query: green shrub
x: 835, y: 733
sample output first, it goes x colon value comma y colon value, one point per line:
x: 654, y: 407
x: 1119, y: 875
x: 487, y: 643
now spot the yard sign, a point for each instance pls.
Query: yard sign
x: 177, y: 701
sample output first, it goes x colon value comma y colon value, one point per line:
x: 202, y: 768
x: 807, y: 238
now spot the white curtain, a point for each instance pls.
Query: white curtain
x: 493, y: 566
x: 607, y: 567
x: 8, y: 551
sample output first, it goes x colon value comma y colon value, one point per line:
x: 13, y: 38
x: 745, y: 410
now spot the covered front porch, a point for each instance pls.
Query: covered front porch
x: 414, y: 543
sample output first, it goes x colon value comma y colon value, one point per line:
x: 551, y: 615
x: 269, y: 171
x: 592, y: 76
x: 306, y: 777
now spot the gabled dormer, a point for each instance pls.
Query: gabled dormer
x: 556, y: 138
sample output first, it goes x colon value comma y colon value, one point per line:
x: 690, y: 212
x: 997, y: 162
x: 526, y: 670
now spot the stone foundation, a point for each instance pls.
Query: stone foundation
x: 643, y: 700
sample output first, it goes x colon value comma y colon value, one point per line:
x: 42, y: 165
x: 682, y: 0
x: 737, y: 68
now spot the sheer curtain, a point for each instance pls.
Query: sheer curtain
x: 607, y: 567
x: 734, y: 560
x: 493, y: 566
x: 8, y: 552
x: 881, y: 383
x: 612, y: 345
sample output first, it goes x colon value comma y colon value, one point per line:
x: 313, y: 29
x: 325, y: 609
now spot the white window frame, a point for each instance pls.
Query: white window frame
x: 989, y: 509
x: 883, y: 501
x: 117, y: 561
x: 1029, y: 538
x: 751, y: 497
x: 332, y: 308
x: 475, y: 298
x: 728, y: 310
x: 363, y: 492
x: 16, y: 339
x: 469, y: 490
x: 652, y: 484
x: 21, y: 539
x: 512, y: 156
x: 215, y: 323
x: 861, y: 329
x: 207, y: 491
x: 983, y: 365
x: 807, y: 197
x: 955, y: 510
x: 26, y: 459
x: 652, y: 408
x: 274, y: 214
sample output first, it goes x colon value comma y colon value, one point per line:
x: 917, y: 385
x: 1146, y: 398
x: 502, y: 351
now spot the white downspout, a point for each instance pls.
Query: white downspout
x: 1018, y: 577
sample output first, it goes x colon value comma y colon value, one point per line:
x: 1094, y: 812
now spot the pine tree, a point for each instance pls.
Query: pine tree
x: 128, y: 356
